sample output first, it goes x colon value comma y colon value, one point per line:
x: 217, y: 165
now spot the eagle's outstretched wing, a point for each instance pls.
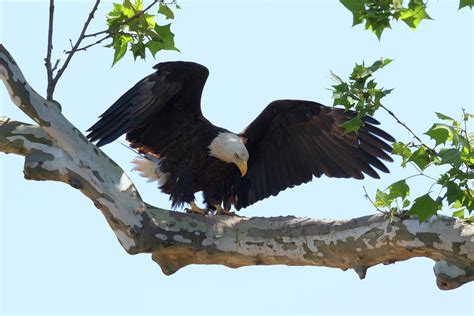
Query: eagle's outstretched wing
x: 175, y: 87
x: 291, y: 141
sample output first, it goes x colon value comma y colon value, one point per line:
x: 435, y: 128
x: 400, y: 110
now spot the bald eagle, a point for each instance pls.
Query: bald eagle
x: 286, y: 145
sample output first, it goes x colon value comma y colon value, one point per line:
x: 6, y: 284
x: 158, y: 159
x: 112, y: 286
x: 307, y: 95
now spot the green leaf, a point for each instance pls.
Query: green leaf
x: 127, y: 9
x: 380, y: 64
x: 139, y: 5
x: 382, y: 199
x: 424, y: 207
x: 149, y: 20
x: 352, y: 125
x: 459, y: 213
x: 166, y: 37
x: 406, y: 203
x: 336, y: 78
x: 397, y: 4
x: 138, y: 50
x: 453, y: 193
x: 401, y: 149
x: 443, y: 117
x: 154, y: 47
x: 450, y: 156
x: 166, y: 11
x: 440, y: 133
x: 357, y: 8
x: 120, y: 47
x: 399, y: 189
x: 466, y: 3
x: 421, y: 158
x: 360, y: 72
x: 414, y: 14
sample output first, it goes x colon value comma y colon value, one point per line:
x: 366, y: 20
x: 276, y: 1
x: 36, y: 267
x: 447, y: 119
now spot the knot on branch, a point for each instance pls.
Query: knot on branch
x: 361, y: 271
x: 451, y: 276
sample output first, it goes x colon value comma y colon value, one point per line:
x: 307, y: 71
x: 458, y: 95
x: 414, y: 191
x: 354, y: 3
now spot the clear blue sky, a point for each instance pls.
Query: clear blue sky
x: 58, y: 255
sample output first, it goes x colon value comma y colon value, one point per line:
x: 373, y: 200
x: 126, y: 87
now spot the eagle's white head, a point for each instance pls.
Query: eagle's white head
x: 230, y: 148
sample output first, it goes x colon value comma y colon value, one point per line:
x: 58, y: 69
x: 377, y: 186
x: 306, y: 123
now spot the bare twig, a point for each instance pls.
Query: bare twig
x: 408, y: 129
x: 76, y: 47
x: 52, y: 84
x: 90, y: 45
x: 49, y: 69
x: 56, y: 64
x: 421, y: 173
x: 371, y: 201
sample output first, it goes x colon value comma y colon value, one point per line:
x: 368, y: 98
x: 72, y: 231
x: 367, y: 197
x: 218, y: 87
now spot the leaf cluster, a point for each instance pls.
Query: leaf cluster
x: 131, y: 28
x: 378, y: 14
x: 452, y: 151
x: 361, y: 93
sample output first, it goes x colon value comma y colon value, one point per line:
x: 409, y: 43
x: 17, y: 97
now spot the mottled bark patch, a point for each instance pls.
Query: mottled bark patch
x: 286, y: 245
x: 255, y: 243
x: 85, y: 185
x: 428, y: 238
x: 97, y: 175
x: 80, y: 135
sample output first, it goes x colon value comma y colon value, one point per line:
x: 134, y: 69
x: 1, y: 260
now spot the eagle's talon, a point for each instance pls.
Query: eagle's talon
x: 199, y: 212
x: 222, y: 211
x: 196, y: 210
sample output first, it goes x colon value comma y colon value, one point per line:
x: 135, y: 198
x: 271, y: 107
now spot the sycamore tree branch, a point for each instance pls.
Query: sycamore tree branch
x: 55, y: 150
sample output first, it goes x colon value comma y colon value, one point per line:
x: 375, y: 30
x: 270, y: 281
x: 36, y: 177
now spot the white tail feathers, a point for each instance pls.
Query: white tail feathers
x: 149, y: 167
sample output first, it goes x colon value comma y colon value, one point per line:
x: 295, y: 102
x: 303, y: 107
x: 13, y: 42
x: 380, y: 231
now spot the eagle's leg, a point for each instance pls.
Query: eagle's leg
x: 196, y: 209
x: 222, y: 211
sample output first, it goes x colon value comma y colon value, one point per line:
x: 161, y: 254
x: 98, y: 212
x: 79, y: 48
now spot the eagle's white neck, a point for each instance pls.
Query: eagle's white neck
x: 228, y: 147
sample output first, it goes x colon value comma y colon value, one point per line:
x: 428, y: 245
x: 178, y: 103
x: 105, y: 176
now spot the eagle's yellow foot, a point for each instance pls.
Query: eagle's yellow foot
x: 222, y: 211
x: 196, y: 209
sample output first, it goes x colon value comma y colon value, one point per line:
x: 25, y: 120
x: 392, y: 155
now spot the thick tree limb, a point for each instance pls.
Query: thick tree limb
x: 56, y: 150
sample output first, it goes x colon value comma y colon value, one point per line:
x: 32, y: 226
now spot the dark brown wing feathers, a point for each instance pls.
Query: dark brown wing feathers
x: 172, y: 85
x: 291, y: 141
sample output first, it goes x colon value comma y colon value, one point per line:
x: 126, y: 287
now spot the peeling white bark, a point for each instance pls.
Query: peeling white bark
x: 56, y: 150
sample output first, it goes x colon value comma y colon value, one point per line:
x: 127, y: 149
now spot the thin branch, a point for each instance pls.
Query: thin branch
x: 52, y: 86
x: 49, y: 69
x: 371, y: 201
x: 408, y: 129
x: 90, y: 45
x: 421, y: 172
x: 56, y: 64
x: 126, y: 21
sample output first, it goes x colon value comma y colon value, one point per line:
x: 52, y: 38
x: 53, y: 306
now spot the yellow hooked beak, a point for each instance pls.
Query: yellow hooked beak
x: 242, y: 167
